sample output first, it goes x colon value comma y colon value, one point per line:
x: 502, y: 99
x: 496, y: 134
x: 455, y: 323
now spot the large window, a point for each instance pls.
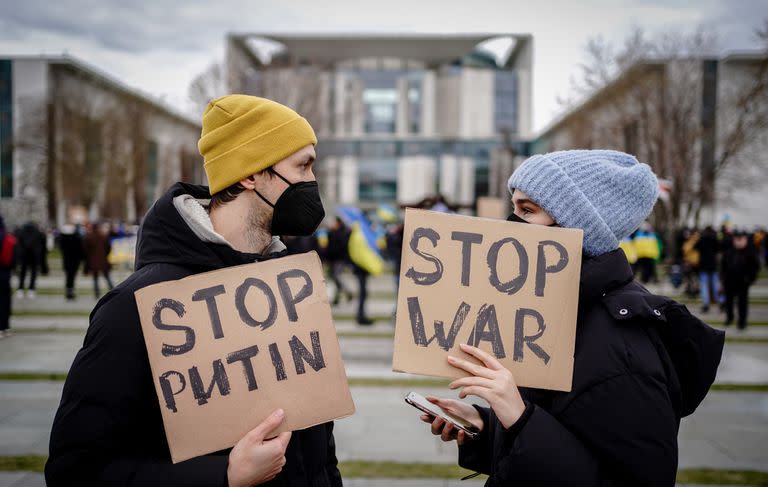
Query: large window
x: 377, y: 171
x: 6, y: 130
x: 506, y: 101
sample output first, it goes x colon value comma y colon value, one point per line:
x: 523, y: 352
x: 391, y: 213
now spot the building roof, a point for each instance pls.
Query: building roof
x: 428, y: 48
x: 626, y: 75
x: 111, y: 82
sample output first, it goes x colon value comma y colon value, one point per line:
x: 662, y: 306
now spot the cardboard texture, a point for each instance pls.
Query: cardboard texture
x: 228, y: 347
x: 490, y: 207
x: 462, y: 282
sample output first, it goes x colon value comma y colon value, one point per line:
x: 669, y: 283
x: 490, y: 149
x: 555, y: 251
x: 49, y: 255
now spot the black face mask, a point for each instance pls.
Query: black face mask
x: 298, y: 211
x: 514, y: 218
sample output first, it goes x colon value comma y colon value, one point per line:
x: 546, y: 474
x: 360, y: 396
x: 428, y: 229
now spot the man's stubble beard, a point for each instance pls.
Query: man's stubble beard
x: 258, y: 231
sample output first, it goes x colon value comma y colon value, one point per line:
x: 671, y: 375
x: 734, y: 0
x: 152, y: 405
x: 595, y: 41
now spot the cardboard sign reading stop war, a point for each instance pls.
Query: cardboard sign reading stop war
x: 228, y: 347
x: 510, y: 289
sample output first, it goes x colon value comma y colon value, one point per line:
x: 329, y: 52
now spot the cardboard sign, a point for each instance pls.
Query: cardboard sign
x: 228, y: 347
x: 489, y: 207
x: 510, y: 289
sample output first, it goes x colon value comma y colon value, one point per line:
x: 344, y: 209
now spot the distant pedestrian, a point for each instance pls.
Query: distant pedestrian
x: 740, y: 265
x: 709, y: 249
x: 31, y: 251
x: 97, y: 248
x: 337, y: 257
x: 648, y: 253
x: 395, y: 250
x: 72, y: 254
x: 7, y: 260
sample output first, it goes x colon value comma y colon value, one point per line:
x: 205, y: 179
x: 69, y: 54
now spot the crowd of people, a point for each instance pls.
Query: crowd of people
x: 87, y: 248
x: 717, y: 266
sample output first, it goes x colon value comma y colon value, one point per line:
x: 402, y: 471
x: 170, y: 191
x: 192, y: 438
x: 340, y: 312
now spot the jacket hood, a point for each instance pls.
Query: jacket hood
x: 165, y: 237
x: 688, y: 346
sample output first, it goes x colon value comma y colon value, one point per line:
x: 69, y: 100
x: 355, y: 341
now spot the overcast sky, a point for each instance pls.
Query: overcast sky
x: 159, y: 45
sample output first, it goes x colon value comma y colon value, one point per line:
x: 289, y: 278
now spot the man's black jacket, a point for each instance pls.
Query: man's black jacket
x: 641, y: 363
x: 108, y: 430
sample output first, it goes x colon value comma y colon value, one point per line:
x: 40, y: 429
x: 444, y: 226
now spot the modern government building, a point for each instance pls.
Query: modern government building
x: 399, y: 118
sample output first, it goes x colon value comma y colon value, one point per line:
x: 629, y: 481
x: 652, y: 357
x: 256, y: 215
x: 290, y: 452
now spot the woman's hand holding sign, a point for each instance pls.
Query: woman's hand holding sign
x: 490, y: 381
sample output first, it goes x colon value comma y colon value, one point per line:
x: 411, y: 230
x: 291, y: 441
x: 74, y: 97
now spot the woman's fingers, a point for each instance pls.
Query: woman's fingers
x: 481, y: 392
x: 449, y: 432
x: 471, y: 381
x: 482, y: 356
x: 467, y: 366
x: 437, y: 426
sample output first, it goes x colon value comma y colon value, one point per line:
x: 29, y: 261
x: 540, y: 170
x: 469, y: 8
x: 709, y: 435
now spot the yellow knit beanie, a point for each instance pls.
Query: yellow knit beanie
x: 243, y: 135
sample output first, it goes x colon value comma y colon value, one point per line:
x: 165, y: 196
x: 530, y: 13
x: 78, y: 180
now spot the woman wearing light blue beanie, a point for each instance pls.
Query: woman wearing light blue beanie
x: 641, y: 361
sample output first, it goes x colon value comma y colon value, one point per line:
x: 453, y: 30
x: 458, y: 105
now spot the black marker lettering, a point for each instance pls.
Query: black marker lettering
x: 209, y: 296
x: 443, y: 341
x: 301, y: 354
x: 529, y: 340
x: 509, y: 287
x: 244, y: 356
x: 425, y: 278
x: 285, y: 291
x: 277, y: 362
x: 486, y: 318
x: 157, y: 320
x: 219, y: 379
x: 240, y: 295
x: 466, y: 239
x: 542, y: 269
x: 168, y: 393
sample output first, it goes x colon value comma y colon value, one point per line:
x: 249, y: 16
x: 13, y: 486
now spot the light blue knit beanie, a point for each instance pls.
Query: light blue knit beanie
x: 606, y: 193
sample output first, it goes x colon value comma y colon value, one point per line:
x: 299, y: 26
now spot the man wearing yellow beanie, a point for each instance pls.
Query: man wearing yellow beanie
x: 108, y: 429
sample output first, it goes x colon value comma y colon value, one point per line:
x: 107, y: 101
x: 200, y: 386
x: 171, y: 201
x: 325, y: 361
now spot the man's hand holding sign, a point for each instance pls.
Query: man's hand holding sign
x: 514, y: 289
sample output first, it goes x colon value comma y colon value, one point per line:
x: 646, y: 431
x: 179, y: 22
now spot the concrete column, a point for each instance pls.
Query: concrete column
x: 357, y: 108
x: 415, y: 178
x: 401, y: 118
x: 428, y: 104
x: 348, y: 180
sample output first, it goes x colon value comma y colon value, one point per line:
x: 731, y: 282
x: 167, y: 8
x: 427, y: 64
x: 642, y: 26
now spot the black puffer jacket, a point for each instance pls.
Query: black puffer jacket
x: 641, y: 363
x: 108, y: 430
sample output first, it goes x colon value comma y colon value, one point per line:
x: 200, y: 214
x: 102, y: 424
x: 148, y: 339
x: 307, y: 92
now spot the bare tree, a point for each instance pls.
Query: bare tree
x: 646, y: 98
x: 206, y: 86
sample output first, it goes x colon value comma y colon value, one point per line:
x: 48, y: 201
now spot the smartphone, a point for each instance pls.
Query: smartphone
x: 420, y: 402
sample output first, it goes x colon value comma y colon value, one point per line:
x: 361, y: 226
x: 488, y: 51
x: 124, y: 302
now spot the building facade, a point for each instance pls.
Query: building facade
x: 77, y: 144
x: 398, y: 118
x: 701, y: 124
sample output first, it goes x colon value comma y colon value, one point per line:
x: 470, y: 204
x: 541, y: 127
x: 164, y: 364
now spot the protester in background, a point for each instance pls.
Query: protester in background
x: 337, y: 256
x: 72, y: 255
x: 362, y: 293
x: 740, y: 266
x: 31, y: 251
x: 691, y: 260
x: 628, y: 246
x: 641, y: 363
x: 394, y: 249
x: 709, y: 249
x: 7, y: 261
x: 108, y: 430
x: 648, y: 252
x: 97, y: 248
